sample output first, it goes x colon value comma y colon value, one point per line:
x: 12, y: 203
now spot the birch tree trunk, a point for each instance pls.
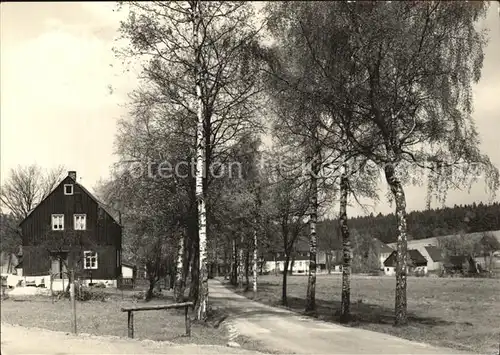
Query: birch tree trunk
x: 226, y: 269
x: 234, y: 265
x: 202, y: 304
x: 255, y: 261
x: 179, y: 286
x: 401, y: 317
x: 247, y: 270
x: 216, y: 262
x: 313, y: 217
x: 345, y: 312
x: 240, y: 266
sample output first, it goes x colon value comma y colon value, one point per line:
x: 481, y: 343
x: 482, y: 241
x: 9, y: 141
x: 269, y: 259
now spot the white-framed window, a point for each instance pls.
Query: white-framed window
x: 68, y: 189
x: 57, y: 222
x: 80, y: 222
x: 89, y: 260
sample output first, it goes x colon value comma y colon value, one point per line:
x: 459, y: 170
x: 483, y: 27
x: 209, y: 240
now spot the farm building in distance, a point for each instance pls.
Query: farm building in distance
x: 329, y: 256
x: 486, y: 251
x: 274, y: 260
x: 416, y: 263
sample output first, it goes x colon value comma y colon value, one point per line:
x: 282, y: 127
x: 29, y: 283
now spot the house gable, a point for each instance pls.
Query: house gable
x: 414, y: 259
x: 68, y: 180
x: 434, y: 253
x: 491, y: 242
x: 100, y: 226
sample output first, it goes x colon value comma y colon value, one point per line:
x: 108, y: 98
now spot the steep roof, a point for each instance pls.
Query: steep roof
x: 99, y: 203
x: 128, y: 264
x: 414, y: 258
x: 417, y: 257
x: 416, y: 243
x: 382, y: 247
x: 435, y: 253
x: 491, y: 240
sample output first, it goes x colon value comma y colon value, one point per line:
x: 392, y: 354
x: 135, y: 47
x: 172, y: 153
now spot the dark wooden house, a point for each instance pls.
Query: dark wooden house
x: 416, y: 262
x: 71, y: 229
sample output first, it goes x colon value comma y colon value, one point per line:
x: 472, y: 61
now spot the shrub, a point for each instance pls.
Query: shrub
x: 139, y: 295
x: 84, y: 294
x: 419, y: 273
x: 87, y: 294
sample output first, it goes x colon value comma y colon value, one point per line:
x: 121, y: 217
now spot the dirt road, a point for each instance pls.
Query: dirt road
x: 17, y: 340
x: 287, y: 332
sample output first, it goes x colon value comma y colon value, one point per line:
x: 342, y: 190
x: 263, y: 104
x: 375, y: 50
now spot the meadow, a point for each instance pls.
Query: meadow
x: 459, y: 313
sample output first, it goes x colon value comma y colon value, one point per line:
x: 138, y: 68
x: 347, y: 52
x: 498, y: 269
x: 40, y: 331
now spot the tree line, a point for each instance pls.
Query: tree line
x: 312, y: 100
x: 430, y: 223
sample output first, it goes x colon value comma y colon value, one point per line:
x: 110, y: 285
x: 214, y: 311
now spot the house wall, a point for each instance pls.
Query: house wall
x: 391, y: 270
x: 102, y: 233
x: 299, y: 266
x: 321, y: 258
x: 37, y: 262
x: 383, y: 257
x: 431, y: 264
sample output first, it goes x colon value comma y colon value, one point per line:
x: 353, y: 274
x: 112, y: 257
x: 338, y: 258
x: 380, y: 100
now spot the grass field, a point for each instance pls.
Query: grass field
x: 105, y: 318
x: 456, y: 313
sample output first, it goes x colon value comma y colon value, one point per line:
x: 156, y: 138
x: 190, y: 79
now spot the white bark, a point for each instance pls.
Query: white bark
x: 255, y: 261
x: 179, y: 291
x: 240, y: 265
x: 202, y: 304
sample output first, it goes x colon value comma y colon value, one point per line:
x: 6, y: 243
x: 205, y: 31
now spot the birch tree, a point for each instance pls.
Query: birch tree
x: 414, y: 64
x: 197, y: 70
x: 297, y: 87
x: 295, y: 115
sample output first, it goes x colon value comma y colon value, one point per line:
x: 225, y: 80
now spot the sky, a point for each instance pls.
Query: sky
x: 57, y: 66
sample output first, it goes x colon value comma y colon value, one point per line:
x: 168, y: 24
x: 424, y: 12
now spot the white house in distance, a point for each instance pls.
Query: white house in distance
x: 273, y: 260
x: 416, y: 263
x: 383, y: 251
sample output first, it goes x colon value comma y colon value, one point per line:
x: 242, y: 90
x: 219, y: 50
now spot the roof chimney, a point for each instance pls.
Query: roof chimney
x: 72, y: 174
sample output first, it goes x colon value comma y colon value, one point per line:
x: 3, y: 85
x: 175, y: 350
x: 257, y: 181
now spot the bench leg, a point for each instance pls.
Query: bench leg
x: 188, y: 321
x: 130, y: 324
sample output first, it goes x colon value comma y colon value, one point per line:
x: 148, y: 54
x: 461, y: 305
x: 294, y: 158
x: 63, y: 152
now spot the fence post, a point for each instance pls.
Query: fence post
x: 188, y: 321
x: 73, y: 299
x: 130, y: 324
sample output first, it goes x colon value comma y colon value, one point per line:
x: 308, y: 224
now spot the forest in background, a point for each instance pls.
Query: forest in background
x: 421, y: 224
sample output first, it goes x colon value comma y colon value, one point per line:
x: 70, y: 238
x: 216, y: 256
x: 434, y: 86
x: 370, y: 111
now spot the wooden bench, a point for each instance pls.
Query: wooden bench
x: 131, y: 310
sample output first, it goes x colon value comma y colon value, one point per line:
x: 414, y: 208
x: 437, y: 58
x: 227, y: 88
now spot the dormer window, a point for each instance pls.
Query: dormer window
x: 68, y: 189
